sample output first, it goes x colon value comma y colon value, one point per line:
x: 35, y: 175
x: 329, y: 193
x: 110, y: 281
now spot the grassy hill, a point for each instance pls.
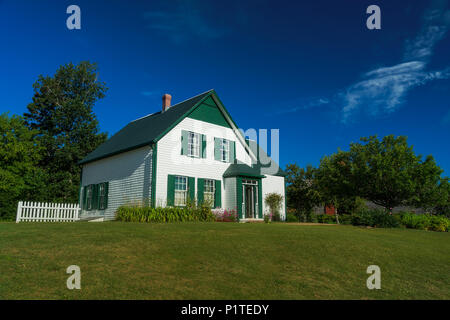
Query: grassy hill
x: 220, y: 261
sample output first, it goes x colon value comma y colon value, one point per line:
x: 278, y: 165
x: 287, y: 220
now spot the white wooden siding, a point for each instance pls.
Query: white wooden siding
x: 272, y: 184
x: 229, y: 198
x: 129, y: 175
x: 170, y: 160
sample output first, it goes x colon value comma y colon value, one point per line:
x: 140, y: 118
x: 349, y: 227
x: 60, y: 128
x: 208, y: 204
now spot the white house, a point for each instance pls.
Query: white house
x: 192, y: 150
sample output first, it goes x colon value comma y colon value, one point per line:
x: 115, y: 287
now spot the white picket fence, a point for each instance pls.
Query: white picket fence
x: 47, y: 212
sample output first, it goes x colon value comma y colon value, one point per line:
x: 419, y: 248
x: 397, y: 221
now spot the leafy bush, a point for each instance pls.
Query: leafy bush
x: 291, y: 218
x: 374, y: 218
x: 424, y: 221
x: 167, y: 214
x: 345, y: 219
x: 267, y: 218
x: 274, y: 201
x: 326, y: 218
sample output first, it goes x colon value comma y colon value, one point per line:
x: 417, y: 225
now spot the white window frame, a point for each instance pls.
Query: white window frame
x: 180, y: 197
x: 193, y: 145
x: 210, y: 194
x: 224, y: 150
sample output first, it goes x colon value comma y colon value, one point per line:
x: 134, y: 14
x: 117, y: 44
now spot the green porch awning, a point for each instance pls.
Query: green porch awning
x: 241, y: 169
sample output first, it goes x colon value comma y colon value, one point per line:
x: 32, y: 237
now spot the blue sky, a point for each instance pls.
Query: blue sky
x: 309, y: 68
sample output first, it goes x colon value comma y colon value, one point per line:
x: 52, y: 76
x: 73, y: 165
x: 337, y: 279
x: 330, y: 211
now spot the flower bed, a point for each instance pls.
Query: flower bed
x: 223, y: 215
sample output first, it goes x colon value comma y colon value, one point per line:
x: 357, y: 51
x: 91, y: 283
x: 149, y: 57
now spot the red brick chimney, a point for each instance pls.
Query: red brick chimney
x: 166, y: 102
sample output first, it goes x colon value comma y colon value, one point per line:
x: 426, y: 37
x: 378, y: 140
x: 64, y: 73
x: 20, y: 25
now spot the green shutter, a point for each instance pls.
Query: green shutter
x: 191, y: 188
x: 105, y: 199
x: 203, y: 155
x: 217, y: 149
x: 170, y: 190
x: 184, y: 142
x: 218, y: 195
x: 232, y: 151
x: 200, y: 190
x: 95, y: 196
x: 260, y: 199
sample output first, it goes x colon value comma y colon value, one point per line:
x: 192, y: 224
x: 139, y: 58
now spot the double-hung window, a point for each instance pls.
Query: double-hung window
x: 101, y: 196
x: 209, y: 191
x: 181, y: 188
x: 193, y: 144
x: 89, y: 192
x: 225, y: 150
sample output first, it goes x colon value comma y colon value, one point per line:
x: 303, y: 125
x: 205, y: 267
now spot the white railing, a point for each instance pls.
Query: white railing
x: 47, y: 212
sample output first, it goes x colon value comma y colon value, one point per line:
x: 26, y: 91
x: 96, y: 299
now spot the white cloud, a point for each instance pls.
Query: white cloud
x: 384, y: 89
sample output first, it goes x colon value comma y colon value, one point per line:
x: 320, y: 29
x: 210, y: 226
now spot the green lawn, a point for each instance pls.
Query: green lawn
x: 220, y: 261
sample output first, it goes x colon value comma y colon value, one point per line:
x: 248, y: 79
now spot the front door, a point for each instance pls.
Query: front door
x: 249, y: 201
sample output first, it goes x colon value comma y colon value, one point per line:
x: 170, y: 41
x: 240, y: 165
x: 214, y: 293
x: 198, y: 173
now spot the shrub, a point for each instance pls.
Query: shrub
x: 374, y: 218
x: 267, y: 218
x: 345, y: 219
x: 326, y: 218
x: 424, y: 221
x: 274, y: 201
x: 167, y: 214
x: 291, y: 218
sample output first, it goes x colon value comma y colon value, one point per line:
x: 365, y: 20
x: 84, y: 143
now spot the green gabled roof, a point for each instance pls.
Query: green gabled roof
x: 146, y: 130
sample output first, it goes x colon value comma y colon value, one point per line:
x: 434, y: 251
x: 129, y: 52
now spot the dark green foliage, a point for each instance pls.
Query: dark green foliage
x: 424, y: 221
x: 375, y: 218
x: 386, y: 172
x: 62, y: 113
x: 20, y: 178
x: 291, y: 218
x: 326, y: 218
x: 167, y: 214
x: 345, y: 219
x: 301, y: 191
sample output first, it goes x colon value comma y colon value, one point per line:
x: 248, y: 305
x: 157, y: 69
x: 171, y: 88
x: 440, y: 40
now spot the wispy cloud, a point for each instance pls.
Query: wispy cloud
x: 436, y: 21
x: 383, y: 90
x: 183, y: 22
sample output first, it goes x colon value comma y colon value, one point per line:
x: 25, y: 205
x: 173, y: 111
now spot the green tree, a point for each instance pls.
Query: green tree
x: 442, y: 196
x: 336, y: 184
x: 389, y: 173
x: 274, y: 201
x: 20, y: 178
x: 301, y: 191
x: 62, y: 112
